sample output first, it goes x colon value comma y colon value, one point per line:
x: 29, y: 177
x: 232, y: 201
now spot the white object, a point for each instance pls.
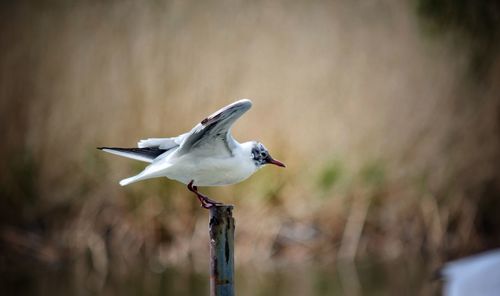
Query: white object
x: 477, y: 275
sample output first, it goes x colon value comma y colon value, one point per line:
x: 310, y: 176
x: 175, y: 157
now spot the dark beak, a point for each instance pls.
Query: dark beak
x: 275, y: 162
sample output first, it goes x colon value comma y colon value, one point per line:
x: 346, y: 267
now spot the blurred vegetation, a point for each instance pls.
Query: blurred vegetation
x: 392, y: 149
x: 331, y: 175
x: 478, y: 22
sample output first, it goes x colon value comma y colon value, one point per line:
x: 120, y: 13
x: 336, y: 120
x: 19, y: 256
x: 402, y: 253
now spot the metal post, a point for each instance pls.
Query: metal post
x: 221, y: 228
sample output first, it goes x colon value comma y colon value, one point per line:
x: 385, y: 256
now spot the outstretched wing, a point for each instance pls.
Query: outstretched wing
x: 214, y: 132
x: 147, y: 154
x: 162, y: 143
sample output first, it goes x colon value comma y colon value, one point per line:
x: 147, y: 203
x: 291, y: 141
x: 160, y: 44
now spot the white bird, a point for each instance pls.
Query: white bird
x: 208, y: 155
x: 477, y: 275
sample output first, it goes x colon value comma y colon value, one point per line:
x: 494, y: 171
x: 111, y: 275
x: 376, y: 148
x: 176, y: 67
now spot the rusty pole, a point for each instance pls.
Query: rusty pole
x: 221, y: 229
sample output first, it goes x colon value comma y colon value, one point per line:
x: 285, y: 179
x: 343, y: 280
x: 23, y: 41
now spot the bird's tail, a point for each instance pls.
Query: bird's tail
x: 129, y: 180
x: 141, y: 176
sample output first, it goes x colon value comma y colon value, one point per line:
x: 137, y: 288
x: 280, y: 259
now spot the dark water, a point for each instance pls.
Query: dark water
x: 366, y: 278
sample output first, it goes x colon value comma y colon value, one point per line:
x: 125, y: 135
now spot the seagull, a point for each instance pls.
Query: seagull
x: 208, y: 155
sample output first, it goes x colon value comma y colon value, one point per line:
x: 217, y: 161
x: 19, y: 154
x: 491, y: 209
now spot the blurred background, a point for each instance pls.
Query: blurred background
x: 386, y: 112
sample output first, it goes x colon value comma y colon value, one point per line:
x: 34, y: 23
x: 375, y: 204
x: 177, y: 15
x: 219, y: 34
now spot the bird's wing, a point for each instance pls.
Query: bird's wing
x: 214, y: 132
x: 147, y: 154
x: 162, y: 143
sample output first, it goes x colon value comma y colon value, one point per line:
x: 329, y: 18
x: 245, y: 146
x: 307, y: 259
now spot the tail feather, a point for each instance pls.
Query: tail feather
x: 129, y: 180
x: 145, y: 154
x: 144, y: 175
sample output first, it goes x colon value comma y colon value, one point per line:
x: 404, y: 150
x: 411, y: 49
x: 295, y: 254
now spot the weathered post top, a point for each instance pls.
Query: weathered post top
x: 221, y: 228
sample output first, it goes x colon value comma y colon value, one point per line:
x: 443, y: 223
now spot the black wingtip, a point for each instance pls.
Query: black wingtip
x: 100, y: 148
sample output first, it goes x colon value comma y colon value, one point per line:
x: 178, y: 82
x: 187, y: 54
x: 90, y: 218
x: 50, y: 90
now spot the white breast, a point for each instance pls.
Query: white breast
x: 212, y: 171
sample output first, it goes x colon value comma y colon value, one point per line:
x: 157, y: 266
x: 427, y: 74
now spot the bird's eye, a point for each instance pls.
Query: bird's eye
x: 263, y: 154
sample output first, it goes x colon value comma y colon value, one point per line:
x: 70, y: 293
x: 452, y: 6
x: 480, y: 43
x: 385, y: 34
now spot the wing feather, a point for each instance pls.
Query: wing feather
x: 216, y: 129
x: 143, y: 154
x: 162, y: 143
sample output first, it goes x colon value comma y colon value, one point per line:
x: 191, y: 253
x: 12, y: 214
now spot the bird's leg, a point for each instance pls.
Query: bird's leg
x: 206, y: 202
x: 206, y: 198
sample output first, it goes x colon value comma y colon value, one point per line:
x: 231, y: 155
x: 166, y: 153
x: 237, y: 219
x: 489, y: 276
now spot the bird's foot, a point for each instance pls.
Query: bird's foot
x: 206, y: 202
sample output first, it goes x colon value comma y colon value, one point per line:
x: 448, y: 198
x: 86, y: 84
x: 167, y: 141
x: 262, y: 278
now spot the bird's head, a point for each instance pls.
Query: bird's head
x: 261, y: 156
